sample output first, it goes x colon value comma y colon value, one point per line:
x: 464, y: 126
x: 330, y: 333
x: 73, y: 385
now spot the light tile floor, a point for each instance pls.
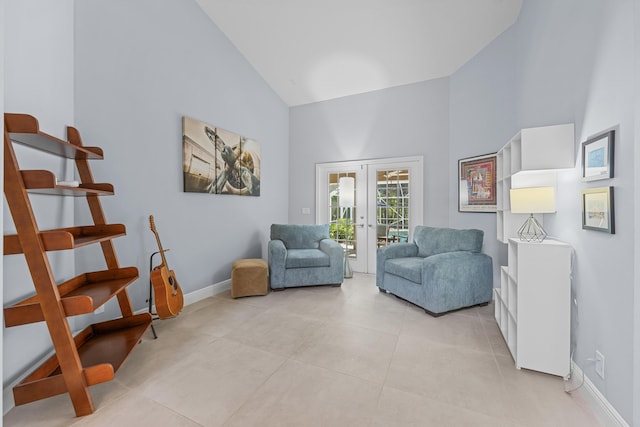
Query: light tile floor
x: 321, y: 356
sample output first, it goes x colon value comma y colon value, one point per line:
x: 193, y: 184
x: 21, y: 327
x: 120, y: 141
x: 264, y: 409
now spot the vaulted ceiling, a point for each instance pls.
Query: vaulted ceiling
x: 310, y: 51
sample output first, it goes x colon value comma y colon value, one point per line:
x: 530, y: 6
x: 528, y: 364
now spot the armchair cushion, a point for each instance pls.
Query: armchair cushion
x: 432, y: 241
x: 409, y: 268
x: 302, y: 258
x: 298, y: 236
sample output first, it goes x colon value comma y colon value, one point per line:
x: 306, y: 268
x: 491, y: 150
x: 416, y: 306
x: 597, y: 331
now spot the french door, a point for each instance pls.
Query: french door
x: 369, y: 204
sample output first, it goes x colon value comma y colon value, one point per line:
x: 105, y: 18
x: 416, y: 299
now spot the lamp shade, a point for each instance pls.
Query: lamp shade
x: 346, y: 191
x: 532, y: 200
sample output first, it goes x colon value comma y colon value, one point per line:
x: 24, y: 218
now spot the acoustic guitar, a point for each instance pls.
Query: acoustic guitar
x: 169, y: 299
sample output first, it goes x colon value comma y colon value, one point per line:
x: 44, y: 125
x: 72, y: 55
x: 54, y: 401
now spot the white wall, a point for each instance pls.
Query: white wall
x: 141, y: 66
x: 483, y: 119
x: 572, y: 61
x: 38, y: 80
x: 636, y: 348
x: 401, y: 121
x: 576, y: 64
x: 2, y: 24
x: 124, y: 73
x: 547, y: 69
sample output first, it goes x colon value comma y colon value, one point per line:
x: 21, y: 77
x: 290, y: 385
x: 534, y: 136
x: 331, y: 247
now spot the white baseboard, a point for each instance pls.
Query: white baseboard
x: 200, y: 294
x: 596, y: 400
x: 206, y: 292
x: 190, y: 298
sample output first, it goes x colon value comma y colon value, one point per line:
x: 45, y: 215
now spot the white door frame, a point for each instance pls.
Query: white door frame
x: 365, y: 193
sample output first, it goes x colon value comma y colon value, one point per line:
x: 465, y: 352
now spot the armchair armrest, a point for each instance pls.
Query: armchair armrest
x: 277, y: 258
x: 396, y: 250
x: 336, y: 254
x: 334, y: 250
x: 335, y: 272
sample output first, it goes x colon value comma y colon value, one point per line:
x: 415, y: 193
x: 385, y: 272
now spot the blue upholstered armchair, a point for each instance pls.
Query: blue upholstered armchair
x: 304, y: 255
x: 441, y: 270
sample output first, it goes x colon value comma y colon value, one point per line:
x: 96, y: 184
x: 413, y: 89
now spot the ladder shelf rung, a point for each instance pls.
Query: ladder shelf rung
x: 81, y: 295
x: 68, y: 238
x: 102, y: 348
x: 24, y: 129
x: 44, y: 182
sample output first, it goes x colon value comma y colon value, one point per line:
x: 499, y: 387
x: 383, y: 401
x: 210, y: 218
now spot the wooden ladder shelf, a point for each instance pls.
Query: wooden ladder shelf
x: 95, y: 354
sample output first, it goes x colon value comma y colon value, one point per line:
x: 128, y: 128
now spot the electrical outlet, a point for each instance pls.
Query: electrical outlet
x: 599, y: 364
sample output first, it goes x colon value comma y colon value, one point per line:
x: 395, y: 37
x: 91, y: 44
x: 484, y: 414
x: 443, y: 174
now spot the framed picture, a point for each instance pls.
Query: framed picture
x: 477, y: 184
x: 217, y: 161
x: 597, y: 157
x: 597, y: 210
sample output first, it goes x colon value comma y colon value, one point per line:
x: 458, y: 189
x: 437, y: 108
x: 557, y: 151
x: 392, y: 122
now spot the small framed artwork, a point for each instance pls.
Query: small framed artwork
x: 597, y: 210
x: 477, y: 184
x: 597, y: 157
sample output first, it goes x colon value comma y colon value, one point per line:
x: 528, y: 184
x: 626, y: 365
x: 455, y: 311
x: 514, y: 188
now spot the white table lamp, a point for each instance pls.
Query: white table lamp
x: 532, y: 200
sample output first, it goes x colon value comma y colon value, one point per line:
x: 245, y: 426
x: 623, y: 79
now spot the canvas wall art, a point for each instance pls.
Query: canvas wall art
x: 217, y: 161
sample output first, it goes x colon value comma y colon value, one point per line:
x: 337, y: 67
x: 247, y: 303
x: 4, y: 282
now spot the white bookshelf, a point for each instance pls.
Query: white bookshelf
x: 533, y: 305
x: 530, y: 159
x: 533, y: 302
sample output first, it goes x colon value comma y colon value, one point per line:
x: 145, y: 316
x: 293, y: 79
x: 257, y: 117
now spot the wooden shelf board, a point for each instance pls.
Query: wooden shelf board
x: 102, y: 348
x: 81, y: 295
x: 68, y: 238
x: 44, y: 182
x: 24, y: 129
x: 80, y: 191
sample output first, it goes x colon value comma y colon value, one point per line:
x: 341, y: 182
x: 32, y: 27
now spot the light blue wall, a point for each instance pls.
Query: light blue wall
x: 2, y: 24
x: 38, y: 80
x: 571, y: 61
x: 483, y: 119
x: 401, y: 121
x: 124, y: 73
x: 636, y: 351
x: 576, y: 65
x: 547, y: 69
x: 141, y: 66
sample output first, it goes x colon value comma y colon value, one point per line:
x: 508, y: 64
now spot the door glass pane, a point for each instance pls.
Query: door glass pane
x: 342, y: 211
x: 392, y: 206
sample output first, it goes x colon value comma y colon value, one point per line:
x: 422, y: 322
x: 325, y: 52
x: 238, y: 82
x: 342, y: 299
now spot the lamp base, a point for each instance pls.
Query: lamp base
x: 532, y: 230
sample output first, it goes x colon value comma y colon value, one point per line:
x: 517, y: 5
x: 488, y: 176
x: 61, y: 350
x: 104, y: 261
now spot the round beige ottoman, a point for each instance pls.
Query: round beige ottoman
x: 249, y: 277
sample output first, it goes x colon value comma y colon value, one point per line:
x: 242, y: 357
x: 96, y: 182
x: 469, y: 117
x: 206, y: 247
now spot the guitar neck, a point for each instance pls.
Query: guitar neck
x: 164, y: 260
